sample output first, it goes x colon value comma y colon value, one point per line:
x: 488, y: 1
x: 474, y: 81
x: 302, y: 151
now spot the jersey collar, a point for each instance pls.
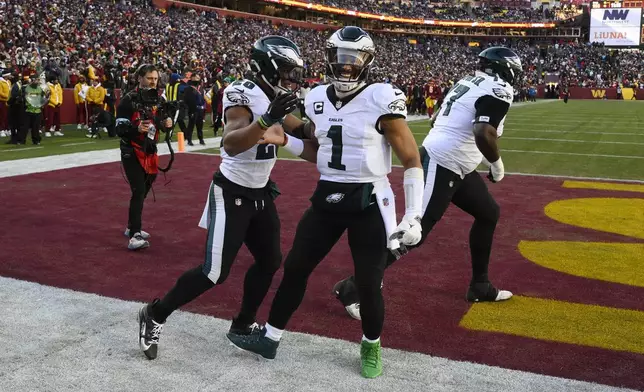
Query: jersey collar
x: 339, y: 103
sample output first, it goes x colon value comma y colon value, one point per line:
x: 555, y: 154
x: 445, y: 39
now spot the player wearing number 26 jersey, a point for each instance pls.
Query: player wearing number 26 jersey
x: 465, y: 131
x: 354, y: 127
x: 240, y: 208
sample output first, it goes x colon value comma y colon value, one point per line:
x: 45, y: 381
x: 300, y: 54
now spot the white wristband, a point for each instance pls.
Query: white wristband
x: 413, y: 185
x: 294, y: 145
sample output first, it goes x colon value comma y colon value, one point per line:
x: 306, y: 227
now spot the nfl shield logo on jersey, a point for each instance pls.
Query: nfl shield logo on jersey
x: 385, y: 202
x: 237, y: 202
x: 335, y: 198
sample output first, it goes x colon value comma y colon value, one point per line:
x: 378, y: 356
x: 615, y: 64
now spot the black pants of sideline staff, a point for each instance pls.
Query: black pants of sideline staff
x: 140, y: 184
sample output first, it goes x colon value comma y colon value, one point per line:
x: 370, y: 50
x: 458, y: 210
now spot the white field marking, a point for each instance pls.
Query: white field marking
x: 66, y: 161
x: 576, y: 154
x: 76, y: 144
x: 21, y: 149
x: 570, y: 141
x: 521, y: 119
x: 568, y: 177
x: 79, y: 159
x: 576, y: 132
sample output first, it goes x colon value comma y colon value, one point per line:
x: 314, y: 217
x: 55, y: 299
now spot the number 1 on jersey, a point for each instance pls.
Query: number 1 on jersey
x: 335, y: 134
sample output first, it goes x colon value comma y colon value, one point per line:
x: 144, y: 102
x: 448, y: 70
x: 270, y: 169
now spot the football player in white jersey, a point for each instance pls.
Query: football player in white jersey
x: 354, y: 127
x: 240, y: 208
x: 465, y: 133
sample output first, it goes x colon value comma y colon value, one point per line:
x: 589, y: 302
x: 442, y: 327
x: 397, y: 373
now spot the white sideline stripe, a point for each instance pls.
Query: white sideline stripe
x: 100, y: 346
x: 67, y: 161
x: 576, y: 154
x: 575, y: 132
x: 76, y: 144
x: 571, y: 141
x: 507, y: 173
x: 21, y: 149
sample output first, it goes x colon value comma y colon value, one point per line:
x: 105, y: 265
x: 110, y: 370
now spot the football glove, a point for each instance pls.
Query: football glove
x: 278, y: 109
x: 409, y: 231
x: 397, y: 249
x: 497, y: 171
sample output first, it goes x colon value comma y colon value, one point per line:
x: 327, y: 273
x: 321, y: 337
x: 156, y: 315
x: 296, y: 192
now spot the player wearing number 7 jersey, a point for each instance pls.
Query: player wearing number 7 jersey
x: 353, y: 128
x: 240, y: 208
x: 465, y: 133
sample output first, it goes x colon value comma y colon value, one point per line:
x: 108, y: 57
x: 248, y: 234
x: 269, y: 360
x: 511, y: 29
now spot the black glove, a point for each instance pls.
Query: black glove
x: 281, y: 106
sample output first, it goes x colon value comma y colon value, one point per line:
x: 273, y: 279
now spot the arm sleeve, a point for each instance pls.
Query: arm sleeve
x: 390, y: 102
x: 490, y: 110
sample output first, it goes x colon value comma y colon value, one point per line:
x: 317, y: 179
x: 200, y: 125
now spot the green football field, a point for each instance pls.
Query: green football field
x: 603, y: 139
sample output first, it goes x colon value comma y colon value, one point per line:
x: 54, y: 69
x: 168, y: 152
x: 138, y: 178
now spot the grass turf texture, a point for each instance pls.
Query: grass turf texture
x: 582, y: 138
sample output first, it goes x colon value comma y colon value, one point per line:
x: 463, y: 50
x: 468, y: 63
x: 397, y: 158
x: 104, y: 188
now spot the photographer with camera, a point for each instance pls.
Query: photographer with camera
x: 138, y: 122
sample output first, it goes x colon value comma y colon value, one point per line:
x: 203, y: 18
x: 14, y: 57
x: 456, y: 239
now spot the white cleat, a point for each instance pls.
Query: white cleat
x: 47, y: 134
x: 503, y: 295
x: 354, y: 311
x: 3, y: 133
x: 79, y: 126
x: 137, y: 242
x: 144, y: 234
x: 58, y: 133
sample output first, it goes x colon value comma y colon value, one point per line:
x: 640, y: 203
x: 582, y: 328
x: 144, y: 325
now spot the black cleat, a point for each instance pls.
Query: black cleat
x: 237, y: 328
x: 256, y: 343
x: 149, y: 331
x: 347, y: 293
x: 486, y: 292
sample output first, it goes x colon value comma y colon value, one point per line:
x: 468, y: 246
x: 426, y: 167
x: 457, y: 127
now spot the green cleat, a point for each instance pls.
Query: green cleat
x: 371, y: 359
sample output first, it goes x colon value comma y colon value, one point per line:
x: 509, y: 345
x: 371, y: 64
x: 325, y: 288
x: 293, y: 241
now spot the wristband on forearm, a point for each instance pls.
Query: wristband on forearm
x: 293, y: 145
x: 265, y: 121
x: 413, y: 186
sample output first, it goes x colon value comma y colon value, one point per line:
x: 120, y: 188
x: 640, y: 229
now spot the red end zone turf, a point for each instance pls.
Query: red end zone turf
x: 65, y: 229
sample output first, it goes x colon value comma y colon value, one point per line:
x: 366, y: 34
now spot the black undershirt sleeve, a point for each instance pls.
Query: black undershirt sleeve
x: 490, y: 110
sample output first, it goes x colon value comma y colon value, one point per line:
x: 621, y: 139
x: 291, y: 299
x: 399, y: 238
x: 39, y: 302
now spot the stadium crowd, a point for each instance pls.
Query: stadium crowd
x: 521, y: 12
x: 86, y: 42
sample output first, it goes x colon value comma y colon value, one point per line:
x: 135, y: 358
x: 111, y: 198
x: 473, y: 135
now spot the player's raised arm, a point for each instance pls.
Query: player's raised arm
x: 240, y: 134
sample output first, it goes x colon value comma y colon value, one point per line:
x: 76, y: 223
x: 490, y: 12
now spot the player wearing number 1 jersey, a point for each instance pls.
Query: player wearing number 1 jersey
x: 240, y: 208
x: 354, y: 126
x: 465, y: 133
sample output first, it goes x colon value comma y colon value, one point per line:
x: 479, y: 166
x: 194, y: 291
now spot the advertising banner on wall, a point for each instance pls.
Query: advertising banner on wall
x: 616, y: 26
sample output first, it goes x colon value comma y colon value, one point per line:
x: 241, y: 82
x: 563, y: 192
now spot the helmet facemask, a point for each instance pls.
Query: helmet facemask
x: 347, y: 68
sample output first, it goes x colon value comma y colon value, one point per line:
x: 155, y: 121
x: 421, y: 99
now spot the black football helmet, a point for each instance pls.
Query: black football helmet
x: 501, y: 61
x: 275, y: 58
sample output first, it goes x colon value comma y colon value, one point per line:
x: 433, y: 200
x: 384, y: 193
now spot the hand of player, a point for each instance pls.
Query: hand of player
x: 409, y: 231
x: 274, y: 135
x: 282, y: 105
x: 168, y: 123
x: 144, y: 126
x: 497, y: 171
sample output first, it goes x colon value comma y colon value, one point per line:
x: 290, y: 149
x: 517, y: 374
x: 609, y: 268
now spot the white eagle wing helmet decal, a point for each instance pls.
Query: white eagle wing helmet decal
x: 287, y: 53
